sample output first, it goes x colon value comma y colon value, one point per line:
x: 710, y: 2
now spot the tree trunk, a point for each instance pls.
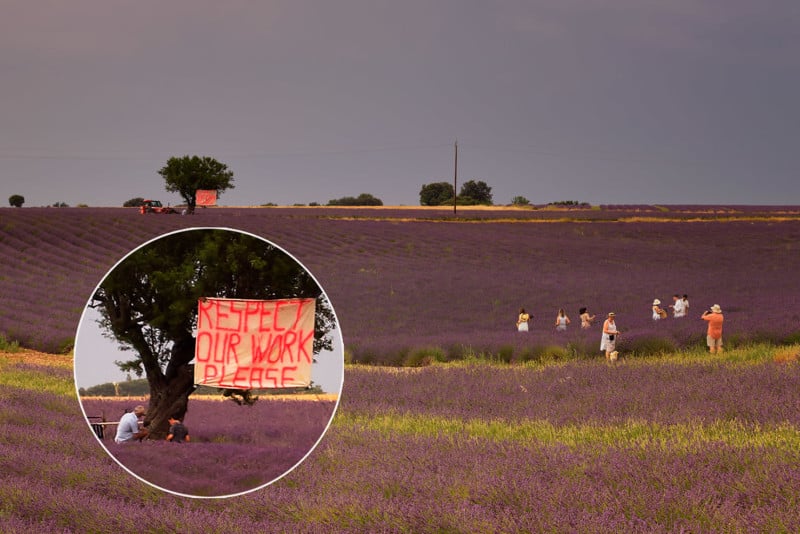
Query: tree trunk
x: 169, y: 398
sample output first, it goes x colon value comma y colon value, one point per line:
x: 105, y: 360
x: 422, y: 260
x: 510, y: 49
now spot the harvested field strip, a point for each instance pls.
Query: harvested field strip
x: 689, y: 437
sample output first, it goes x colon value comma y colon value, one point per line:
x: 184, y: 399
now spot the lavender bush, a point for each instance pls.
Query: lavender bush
x: 373, y: 473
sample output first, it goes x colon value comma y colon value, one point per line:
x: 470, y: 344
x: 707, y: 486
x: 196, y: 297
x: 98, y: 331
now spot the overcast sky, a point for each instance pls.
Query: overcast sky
x: 604, y: 101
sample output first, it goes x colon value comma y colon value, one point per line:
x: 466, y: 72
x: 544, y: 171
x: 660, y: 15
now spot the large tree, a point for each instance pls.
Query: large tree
x: 148, y: 303
x: 436, y: 194
x: 16, y: 201
x: 477, y: 191
x: 187, y: 174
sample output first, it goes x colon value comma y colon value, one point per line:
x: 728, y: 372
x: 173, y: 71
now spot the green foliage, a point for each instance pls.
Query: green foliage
x: 60, y: 205
x: 478, y: 191
x: 520, y: 201
x: 424, y: 356
x: 16, y: 201
x: 505, y: 353
x: 436, y: 194
x: 364, y: 199
x: 133, y: 203
x: 187, y: 174
x: 7, y: 345
x: 648, y: 346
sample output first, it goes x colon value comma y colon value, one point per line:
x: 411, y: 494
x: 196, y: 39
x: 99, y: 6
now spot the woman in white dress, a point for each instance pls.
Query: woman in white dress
x: 522, y: 320
x: 608, y: 342
x: 658, y: 311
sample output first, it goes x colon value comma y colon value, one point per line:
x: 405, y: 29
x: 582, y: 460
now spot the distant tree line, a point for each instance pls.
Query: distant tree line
x: 140, y: 387
x: 441, y: 194
x: 364, y: 199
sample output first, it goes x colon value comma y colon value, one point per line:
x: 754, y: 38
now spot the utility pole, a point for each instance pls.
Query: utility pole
x: 455, y: 176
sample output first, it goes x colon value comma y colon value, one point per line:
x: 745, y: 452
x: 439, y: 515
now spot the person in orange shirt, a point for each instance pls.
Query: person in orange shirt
x: 714, y: 334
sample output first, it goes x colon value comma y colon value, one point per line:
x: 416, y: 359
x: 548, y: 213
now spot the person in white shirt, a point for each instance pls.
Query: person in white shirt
x: 128, y: 427
x: 678, y: 307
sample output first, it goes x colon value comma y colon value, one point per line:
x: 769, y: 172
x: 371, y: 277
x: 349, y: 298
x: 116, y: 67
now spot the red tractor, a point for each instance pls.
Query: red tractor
x: 154, y: 206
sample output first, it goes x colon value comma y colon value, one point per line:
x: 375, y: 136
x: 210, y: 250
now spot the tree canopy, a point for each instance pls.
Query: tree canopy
x: 364, y: 199
x: 134, y: 202
x: 436, y: 194
x: 187, y: 174
x: 148, y: 303
x: 478, y: 191
x: 16, y: 201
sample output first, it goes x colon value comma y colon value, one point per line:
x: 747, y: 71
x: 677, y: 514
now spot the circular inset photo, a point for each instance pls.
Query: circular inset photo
x: 208, y: 362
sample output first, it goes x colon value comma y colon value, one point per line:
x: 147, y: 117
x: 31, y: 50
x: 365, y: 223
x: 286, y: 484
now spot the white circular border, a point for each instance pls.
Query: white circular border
x: 77, y: 346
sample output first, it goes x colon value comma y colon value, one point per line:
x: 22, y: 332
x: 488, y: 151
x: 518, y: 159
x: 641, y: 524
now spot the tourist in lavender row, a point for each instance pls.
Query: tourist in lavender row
x: 586, y: 319
x: 714, y: 334
x: 128, y: 427
x: 678, y: 308
x: 562, y: 320
x: 658, y: 311
x: 608, y: 342
x: 685, y: 304
x: 522, y: 320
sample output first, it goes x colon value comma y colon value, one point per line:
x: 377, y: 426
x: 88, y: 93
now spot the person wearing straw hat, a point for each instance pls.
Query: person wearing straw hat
x: 608, y: 342
x: 658, y: 311
x: 522, y: 320
x: 714, y: 334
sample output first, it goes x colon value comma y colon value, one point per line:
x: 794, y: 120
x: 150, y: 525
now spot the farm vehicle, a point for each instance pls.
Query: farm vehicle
x: 154, y: 206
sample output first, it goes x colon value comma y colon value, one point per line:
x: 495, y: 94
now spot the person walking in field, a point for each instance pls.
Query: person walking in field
x: 714, y: 334
x: 522, y: 320
x: 586, y: 319
x: 658, y: 311
x: 678, y: 307
x: 562, y: 320
x: 685, y: 304
x: 608, y: 342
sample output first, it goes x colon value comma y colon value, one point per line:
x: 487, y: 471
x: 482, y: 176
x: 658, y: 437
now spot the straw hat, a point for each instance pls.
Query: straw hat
x: 716, y: 309
x: 656, y: 302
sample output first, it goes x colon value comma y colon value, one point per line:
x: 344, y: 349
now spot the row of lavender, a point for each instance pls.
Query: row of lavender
x: 398, y: 286
x: 55, y: 477
x: 279, y: 430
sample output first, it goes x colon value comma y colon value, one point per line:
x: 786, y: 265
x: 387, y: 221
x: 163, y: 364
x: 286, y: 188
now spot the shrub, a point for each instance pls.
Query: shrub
x: 505, y: 353
x: 424, y: 356
x: 647, y: 345
x: 7, y: 345
x: 551, y: 353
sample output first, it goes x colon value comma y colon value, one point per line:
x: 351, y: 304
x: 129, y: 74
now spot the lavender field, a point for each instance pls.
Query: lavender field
x: 681, y: 445
x: 266, y: 440
x: 412, y: 285
x: 558, y: 440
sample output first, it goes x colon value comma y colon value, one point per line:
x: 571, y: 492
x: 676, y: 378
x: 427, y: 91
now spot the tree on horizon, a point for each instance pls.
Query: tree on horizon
x: 187, y: 174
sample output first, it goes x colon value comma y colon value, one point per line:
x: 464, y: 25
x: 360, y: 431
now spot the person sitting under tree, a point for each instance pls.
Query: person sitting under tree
x: 177, y: 431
